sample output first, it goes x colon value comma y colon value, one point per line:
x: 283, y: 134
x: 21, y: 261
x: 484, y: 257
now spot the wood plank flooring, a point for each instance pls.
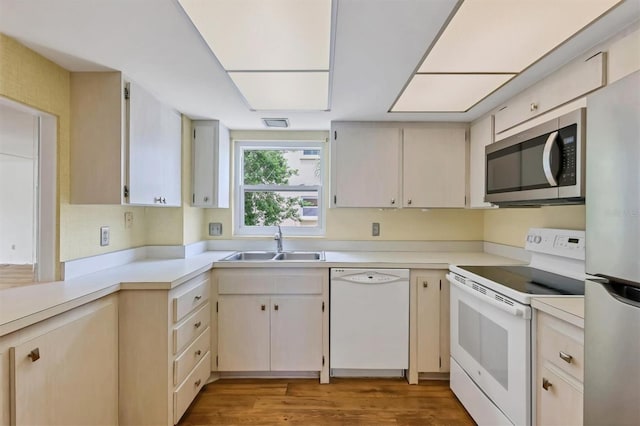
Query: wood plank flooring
x: 343, y: 402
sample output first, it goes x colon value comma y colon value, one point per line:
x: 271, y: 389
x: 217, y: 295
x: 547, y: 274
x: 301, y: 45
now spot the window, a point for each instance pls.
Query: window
x: 278, y: 183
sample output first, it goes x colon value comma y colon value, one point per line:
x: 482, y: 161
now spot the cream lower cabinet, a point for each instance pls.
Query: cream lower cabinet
x: 63, y: 370
x: 429, y: 323
x: 273, y: 320
x: 165, y: 350
x: 559, y: 372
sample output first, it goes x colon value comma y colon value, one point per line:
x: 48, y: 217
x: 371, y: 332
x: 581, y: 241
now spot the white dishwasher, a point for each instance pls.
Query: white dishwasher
x: 369, y: 322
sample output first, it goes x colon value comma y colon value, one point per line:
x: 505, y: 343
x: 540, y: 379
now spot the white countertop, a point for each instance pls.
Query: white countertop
x: 25, y: 305
x: 569, y: 309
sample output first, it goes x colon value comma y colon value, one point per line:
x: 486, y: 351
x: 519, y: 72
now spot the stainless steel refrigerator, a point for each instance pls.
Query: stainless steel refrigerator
x: 612, y: 306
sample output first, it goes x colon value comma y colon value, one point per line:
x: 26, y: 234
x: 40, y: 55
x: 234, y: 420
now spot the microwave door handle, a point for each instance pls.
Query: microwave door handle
x: 546, y: 159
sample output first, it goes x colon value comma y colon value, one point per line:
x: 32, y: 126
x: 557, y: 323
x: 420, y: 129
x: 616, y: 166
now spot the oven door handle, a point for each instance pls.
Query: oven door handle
x: 546, y: 159
x: 513, y: 310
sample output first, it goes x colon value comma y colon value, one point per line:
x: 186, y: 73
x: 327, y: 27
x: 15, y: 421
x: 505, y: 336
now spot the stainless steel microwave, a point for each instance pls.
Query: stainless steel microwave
x: 543, y: 165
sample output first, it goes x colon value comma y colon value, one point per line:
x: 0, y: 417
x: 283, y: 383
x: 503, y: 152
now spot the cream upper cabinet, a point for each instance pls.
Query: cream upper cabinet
x: 434, y: 167
x: 125, y: 144
x: 210, y: 164
x: 559, y: 375
x: 366, y: 165
x: 64, y: 370
x: 381, y: 165
x: 429, y: 323
x: 481, y: 135
x: 273, y: 320
x: 569, y: 83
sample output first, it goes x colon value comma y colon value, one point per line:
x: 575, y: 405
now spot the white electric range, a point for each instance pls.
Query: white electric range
x: 491, y: 323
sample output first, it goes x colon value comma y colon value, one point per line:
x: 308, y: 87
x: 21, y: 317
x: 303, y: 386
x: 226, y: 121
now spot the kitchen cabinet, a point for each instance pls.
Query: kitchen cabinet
x: 273, y: 320
x: 434, y: 167
x: 389, y: 165
x: 481, y: 135
x: 559, y: 371
x: 366, y: 165
x: 165, y: 350
x: 125, y: 144
x: 429, y: 323
x: 63, y: 370
x: 569, y: 83
x: 210, y: 164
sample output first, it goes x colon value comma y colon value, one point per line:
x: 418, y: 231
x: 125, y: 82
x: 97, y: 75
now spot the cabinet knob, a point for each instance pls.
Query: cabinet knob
x: 275, y: 307
x: 198, y: 324
x: 425, y: 284
x: 198, y: 352
x: 533, y: 106
x: 206, y: 199
x: 198, y: 297
x: 157, y: 199
x: 409, y: 201
x: 546, y: 384
x: 566, y: 357
x: 393, y: 201
x: 34, y: 355
x: 164, y: 200
x: 263, y: 307
x: 197, y: 383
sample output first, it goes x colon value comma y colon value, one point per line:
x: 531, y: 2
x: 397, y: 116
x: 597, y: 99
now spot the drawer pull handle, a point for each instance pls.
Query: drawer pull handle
x: 546, y: 384
x: 262, y: 307
x: 276, y: 307
x: 198, y: 324
x: 198, y: 352
x: 34, y: 355
x: 198, y: 382
x: 566, y: 357
x: 425, y: 284
x: 198, y: 297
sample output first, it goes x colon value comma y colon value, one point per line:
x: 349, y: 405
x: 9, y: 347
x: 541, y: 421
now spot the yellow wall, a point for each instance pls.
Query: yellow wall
x: 509, y: 226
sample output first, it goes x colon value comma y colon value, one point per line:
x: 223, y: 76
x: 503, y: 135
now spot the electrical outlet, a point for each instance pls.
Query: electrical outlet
x: 128, y: 219
x: 215, y: 229
x: 375, y: 229
x: 104, y: 235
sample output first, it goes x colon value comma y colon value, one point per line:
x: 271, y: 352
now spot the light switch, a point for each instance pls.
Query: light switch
x: 375, y: 229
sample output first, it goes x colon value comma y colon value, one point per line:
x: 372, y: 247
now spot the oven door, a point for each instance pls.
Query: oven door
x: 490, y: 340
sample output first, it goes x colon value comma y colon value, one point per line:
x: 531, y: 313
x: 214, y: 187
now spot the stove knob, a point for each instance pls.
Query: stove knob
x: 537, y: 239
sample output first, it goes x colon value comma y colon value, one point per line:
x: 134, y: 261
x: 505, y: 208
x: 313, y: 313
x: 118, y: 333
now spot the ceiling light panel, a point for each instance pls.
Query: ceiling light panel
x: 265, y: 35
x: 447, y: 92
x: 284, y: 90
x: 508, y: 35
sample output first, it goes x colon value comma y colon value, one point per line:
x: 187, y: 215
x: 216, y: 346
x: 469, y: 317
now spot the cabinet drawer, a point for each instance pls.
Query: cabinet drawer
x: 189, y: 300
x: 561, y: 403
x: 185, y: 362
x: 191, y: 327
x: 561, y: 344
x: 187, y: 391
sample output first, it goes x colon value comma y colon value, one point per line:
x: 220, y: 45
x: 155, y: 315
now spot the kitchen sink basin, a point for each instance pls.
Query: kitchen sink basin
x: 256, y: 256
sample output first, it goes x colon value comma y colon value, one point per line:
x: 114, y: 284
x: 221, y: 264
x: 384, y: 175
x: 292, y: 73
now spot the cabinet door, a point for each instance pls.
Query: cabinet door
x: 243, y: 333
x: 366, y: 164
x: 481, y: 135
x: 210, y: 159
x: 73, y: 378
x: 445, y: 330
x: 428, y: 336
x: 296, y: 333
x: 434, y: 167
x: 561, y: 403
x: 154, y: 151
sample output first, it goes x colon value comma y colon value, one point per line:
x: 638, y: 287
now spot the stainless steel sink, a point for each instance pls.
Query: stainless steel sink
x: 299, y: 255
x: 251, y: 255
x: 256, y: 256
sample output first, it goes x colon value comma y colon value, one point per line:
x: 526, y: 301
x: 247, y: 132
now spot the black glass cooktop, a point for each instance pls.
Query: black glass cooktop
x: 529, y: 280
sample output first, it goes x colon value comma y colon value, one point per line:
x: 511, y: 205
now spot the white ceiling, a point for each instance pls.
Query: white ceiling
x: 378, y: 46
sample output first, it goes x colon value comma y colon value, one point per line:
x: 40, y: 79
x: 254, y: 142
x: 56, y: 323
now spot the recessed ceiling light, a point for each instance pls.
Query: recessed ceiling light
x: 276, y: 122
x: 447, y: 92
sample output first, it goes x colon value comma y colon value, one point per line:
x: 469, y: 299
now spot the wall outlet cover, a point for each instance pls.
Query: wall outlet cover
x: 104, y: 235
x: 375, y: 229
x: 128, y: 219
x: 215, y: 229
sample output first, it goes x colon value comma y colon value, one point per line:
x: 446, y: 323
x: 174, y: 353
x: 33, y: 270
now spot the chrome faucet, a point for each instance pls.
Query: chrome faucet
x: 278, y: 238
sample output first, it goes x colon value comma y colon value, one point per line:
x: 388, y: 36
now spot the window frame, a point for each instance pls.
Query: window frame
x: 240, y: 188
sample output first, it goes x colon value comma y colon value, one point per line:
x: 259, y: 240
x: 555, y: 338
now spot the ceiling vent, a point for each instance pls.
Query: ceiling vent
x: 282, y: 123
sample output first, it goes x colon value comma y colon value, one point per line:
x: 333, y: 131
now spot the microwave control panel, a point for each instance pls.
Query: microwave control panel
x: 568, y: 137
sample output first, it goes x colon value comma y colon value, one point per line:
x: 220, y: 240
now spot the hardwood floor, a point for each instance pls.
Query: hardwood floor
x: 343, y: 402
